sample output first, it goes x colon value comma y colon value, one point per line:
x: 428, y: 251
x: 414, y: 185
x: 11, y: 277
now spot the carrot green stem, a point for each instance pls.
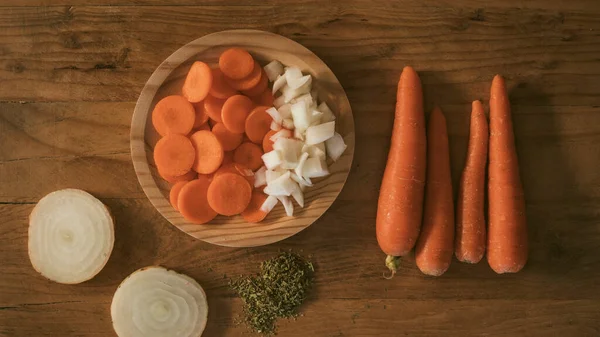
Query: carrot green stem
x: 392, y: 262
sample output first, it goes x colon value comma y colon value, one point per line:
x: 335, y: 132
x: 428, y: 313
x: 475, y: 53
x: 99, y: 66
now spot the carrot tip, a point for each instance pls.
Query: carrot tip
x: 392, y: 263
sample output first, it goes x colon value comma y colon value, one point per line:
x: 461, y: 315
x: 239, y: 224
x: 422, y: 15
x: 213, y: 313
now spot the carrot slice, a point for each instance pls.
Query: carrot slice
x: 249, y: 81
x: 238, y: 169
x: 259, y: 87
x: 258, y: 124
x: 209, y: 152
x: 249, y: 154
x: 174, y: 193
x: 213, y: 107
x: 235, y: 111
x: 198, y: 82
x: 236, y: 63
x: 220, y: 88
x: 173, y: 114
x: 201, y: 115
x: 267, y: 143
x: 229, y: 194
x: 191, y: 175
x: 229, y: 140
x: 253, y: 213
x: 174, y: 155
x: 227, y: 157
x: 265, y: 98
x: 193, y: 202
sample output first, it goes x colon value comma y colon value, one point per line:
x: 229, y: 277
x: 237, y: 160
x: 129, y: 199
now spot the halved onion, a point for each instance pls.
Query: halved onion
x: 154, y: 301
x: 71, y: 236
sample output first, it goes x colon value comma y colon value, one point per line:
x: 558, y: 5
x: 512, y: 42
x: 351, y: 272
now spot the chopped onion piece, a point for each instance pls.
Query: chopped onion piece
x: 260, y: 177
x: 273, y: 69
x: 271, y: 175
x: 328, y: 115
x: 290, y: 151
x: 288, y: 123
x: 298, y: 134
x: 301, y: 115
x: 275, y: 126
x: 320, y: 133
x: 307, y: 98
x: 287, y: 204
x: 274, y: 113
x: 272, y: 159
x: 314, y: 168
x: 301, y: 181
x: 316, y: 150
x: 303, y: 81
x: 315, y: 117
x: 335, y: 146
x: 154, y: 301
x: 285, y: 111
x: 301, y: 161
x: 283, y: 133
x: 269, y: 204
x: 279, y: 83
x: 292, y: 73
x: 279, y: 101
x: 298, y: 196
x: 71, y: 236
x: 283, y: 185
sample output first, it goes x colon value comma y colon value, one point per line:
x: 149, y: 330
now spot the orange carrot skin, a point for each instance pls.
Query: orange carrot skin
x: 434, y: 249
x: 400, y: 203
x: 507, y: 230
x: 469, y: 245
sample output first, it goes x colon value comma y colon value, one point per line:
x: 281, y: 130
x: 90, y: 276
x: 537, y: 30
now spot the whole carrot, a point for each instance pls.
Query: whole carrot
x: 435, y: 246
x: 400, y: 202
x: 507, y: 231
x: 470, y: 219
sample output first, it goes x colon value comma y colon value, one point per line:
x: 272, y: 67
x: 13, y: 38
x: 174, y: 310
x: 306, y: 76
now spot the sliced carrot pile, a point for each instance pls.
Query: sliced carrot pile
x: 174, y: 155
x: 174, y: 193
x: 220, y: 88
x: 236, y: 63
x: 267, y: 143
x: 210, y: 133
x: 249, y: 155
x: 201, y: 115
x: 253, y: 213
x: 198, y: 82
x: 249, y: 81
x: 213, y: 107
x: 229, y: 194
x: 258, y: 124
x: 235, y: 111
x: 173, y: 114
x: 192, y: 201
x: 259, y: 87
x: 229, y: 140
x: 209, y: 152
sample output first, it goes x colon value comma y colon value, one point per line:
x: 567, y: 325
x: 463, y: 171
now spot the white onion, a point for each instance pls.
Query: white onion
x: 307, y: 98
x: 290, y: 150
x: 335, y: 146
x: 292, y: 73
x: 320, y: 133
x: 273, y: 69
x: 283, y: 133
x: 288, y: 123
x: 285, y: 111
x: 328, y: 115
x: 283, y: 185
x: 269, y: 204
x: 287, y: 205
x: 274, y: 126
x: 156, y: 302
x: 301, y: 161
x: 279, y: 101
x: 299, y: 134
x: 71, y: 236
x: 316, y: 150
x: 301, y: 115
x: 298, y: 196
x: 277, y: 118
x: 303, y: 182
x: 260, y: 177
x: 297, y: 83
x: 314, y: 168
x: 272, y: 159
x: 279, y: 83
x: 271, y: 175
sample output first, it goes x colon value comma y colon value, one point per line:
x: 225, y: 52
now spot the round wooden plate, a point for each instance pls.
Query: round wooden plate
x: 168, y: 78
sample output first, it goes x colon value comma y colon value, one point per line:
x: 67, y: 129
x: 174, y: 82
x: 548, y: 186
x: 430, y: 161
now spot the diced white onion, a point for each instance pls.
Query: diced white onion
x: 315, y: 117
x: 271, y: 175
x: 320, y: 133
x: 285, y: 111
x: 288, y: 123
x: 299, y: 134
x: 298, y: 196
x: 290, y: 151
x: 154, y: 301
x: 260, y: 177
x: 275, y: 126
x: 287, y: 205
x: 279, y: 83
x: 279, y: 101
x: 301, y: 161
x: 335, y: 146
x: 283, y: 185
x: 328, y: 115
x: 274, y: 113
x: 307, y: 98
x: 301, y: 115
x: 296, y: 83
x: 269, y: 204
x: 71, y: 236
x: 316, y: 150
x: 301, y: 181
x: 292, y: 73
x: 273, y: 69
x: 283, y: 133
x: 272, y: 159
x: 314, y: 168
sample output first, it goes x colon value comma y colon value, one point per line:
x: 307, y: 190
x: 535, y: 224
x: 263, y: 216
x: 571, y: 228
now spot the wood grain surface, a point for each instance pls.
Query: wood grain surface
x: 71, y: 72
x: 168, y: 78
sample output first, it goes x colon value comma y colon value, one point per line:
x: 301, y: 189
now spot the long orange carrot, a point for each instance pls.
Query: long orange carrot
x: 507, y: 231
x: 469, y: 245
x: 433, y: 252
x: 400, y: 203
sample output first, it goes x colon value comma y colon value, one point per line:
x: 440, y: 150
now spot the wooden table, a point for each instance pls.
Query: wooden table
x: 71, y: 72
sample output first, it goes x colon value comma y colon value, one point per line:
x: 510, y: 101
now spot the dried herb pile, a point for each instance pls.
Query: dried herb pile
x: 276, y: 292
